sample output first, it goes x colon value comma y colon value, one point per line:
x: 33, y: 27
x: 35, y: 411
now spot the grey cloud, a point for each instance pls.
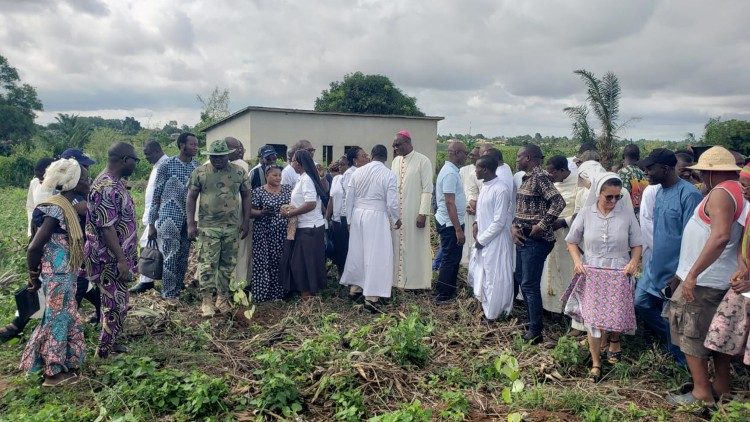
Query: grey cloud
x: 92, y: 7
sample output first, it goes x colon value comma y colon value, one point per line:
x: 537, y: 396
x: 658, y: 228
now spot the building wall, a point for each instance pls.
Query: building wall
x: 337, y: 131
x: 239, y: 128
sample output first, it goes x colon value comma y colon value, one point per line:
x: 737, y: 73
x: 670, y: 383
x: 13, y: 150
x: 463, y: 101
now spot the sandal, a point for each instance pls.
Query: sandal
x: 66, y: 378
x: 595, y: 373
x: 8, y: 332
x: 614, y: 357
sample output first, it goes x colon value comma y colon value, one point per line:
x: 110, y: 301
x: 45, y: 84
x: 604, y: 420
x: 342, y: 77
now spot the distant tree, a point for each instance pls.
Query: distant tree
x: 367, y: 94
x: 732, y: 134
x: 18, y: 103
x: 130, y: 126
x: 68, y: 131
x: 582, y: 131
x: 604, y: 100
x: 214, y: 108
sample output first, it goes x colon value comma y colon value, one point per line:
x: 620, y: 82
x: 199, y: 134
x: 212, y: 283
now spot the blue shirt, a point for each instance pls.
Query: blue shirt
x: 449, y: 181
x: 673, y: 208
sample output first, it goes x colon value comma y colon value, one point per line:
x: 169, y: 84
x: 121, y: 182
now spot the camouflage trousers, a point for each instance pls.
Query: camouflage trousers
x: 217, y: 257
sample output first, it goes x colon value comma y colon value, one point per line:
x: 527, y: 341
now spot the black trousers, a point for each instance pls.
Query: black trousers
x: 451, y: 258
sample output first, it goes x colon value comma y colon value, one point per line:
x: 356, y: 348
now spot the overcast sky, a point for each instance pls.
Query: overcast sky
x: 492, y: 67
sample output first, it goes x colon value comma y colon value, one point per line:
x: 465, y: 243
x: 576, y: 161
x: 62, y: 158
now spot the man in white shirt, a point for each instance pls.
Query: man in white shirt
x: 155, y: 155
x: 288, y: 175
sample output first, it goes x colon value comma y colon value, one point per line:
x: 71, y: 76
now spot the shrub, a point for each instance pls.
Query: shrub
x: 413, y: 412
x: 406, y: 340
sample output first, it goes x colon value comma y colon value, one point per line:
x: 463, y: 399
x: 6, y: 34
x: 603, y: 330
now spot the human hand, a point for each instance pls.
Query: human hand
x: 536, y: 231
x: 475, y: 230
x: 267, y: 212
x: 123, y: 272
x: 244, y: 229
x: 630, y: 268
x: 151, y: 232
x: 192, y: 231
x: 740, y: 274
x: 558, y: 224
x: 421, y: 220
x: 34, y: 283
x: 688, y: 288
x: 478, y: 245
x: 578, y: 268
x: 518, y: 237
x: 397, y: 226
x: 460, y: 236
x: 740, y: 286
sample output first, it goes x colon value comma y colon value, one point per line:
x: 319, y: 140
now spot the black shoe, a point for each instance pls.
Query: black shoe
x: 444, y: 300
x: 119, y: 348
x: 533, y: 338
x: 141, y: 287
x: 373, y: 307
x: 356, y: 297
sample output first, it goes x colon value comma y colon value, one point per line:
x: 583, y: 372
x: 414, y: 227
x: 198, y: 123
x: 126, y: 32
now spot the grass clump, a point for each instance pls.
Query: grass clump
x: 407, y: 340
x: 412, y: 412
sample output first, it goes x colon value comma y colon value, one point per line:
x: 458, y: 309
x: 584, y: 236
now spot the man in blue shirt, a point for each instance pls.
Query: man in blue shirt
x: 674, y: 205
x: 451, y: 210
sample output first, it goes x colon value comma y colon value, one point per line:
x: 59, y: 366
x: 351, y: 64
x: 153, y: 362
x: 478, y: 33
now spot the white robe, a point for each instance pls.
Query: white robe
x: 491, y: 268
x: 411, y: 245
x: 558, y: 268
x: 372, y: 206
x: 648, y: 201
x: 34, y: 185
x: 150, y: 186
x: 472, y: 185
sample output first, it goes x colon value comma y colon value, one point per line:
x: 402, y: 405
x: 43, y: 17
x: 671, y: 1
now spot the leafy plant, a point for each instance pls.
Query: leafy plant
x: 278, y: 393
x: 734, y: 411
x: 457, y: 407
x: 407, y: 340
x: 567, y: 352
x: 413, y: 412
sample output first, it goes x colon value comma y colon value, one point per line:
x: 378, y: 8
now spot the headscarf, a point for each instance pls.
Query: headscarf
x: 589, y: 169
x: 597, y: 184
x: 62, y: 175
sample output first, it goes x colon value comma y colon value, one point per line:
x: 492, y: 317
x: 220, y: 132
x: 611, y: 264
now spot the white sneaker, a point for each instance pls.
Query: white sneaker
x: 207, y: 307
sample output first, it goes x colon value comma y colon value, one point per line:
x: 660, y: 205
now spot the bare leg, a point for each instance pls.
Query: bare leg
x: 701, y: 382
x: 721, y: 366
x: 595, y: 350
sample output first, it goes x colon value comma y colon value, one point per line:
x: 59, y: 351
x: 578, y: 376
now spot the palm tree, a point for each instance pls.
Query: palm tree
x: 582, y: 131
x: 604, y: 100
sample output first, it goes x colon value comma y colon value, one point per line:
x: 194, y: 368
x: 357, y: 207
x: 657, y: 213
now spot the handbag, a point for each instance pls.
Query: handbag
x: 151, y: 261
x: 30, y: 304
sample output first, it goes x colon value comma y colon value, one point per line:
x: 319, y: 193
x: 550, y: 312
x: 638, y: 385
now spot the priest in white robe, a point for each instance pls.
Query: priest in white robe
x: 471, y: 191
x: 558, y: 268
x: 373, y: 209
x: 491, y: 268
x: 411, y: 242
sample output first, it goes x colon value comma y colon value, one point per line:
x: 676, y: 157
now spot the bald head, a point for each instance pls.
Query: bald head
x: 489, y: 151
x: 119, y: 150
x: 236, y: 145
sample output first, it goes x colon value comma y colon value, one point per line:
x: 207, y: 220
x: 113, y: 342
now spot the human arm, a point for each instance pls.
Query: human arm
x: 450, y: 205
x: 635, y: 241
x: 555, y: 205
x: 246, y: 196
x: 36, y: 249
x: 192, y: 227
x: 309, y: 196
x: 109, y: 234
x: 573, y: 240
x: 720, y: 207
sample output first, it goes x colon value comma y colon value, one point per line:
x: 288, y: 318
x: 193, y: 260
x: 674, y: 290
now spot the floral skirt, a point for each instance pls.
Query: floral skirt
x: 728, y: 332
x: 57, y: 344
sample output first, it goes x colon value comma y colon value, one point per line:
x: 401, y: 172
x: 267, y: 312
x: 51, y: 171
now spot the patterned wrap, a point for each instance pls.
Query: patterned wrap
x: 602, y: 298
x: 57, y: 344
x: 728, y: 332
x: 110, y: 205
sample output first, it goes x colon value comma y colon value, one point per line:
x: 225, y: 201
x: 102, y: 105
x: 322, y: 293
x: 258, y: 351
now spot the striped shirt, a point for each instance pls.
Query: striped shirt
x: 538, y: 202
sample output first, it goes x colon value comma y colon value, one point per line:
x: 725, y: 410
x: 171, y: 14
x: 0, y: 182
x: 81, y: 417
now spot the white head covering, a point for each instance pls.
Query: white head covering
x: 597, y: 184
x: 63, y: 174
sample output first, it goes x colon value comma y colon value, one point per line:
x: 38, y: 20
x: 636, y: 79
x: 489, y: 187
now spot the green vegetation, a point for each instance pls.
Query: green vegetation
x: 367, y: 94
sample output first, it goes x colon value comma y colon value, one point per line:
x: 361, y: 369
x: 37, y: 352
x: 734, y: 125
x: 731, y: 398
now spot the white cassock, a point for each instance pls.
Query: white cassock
x: 472, y: 185
x: 558, y: 268
x: 147, y: 209
x: 243, y: 270
x: 372, y: 206
x: 491, y: 268
x: 411, y: 245
x: 646, y: 217
x: 506, y: 176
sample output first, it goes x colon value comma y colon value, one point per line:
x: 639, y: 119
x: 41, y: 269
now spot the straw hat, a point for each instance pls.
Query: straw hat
x: 716, y: 159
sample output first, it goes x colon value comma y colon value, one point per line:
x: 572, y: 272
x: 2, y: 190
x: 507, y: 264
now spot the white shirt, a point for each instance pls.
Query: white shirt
x: 289, y: 176
x: 150, y: 188
x: 304, y: 191
x: 337, y: 196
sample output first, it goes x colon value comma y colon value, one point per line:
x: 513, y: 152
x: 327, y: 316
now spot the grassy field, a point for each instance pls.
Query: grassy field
x: 328, y: 360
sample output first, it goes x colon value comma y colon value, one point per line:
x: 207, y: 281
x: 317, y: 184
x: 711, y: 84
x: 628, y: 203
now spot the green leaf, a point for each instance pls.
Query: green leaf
x: 517, y: 386
x: 515, y: 417
x: 506, y: 396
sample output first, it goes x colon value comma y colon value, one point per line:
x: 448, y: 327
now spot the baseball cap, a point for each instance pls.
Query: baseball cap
x: 267, y: 151
x: 661, y: 156
x: 78, y: 155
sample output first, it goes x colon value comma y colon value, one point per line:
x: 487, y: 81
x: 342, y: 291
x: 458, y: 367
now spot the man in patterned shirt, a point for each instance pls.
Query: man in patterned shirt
x: 167, y: 218
x: 538, y: 206
x: 218, y: 182
x: 111, y: 242
x: 633, y: 178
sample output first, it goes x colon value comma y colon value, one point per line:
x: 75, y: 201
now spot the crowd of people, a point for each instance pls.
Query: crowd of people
x: 659, y: 245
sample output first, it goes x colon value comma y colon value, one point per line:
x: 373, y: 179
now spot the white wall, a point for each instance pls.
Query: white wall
x: 239, y: 128
x: 338, y: 131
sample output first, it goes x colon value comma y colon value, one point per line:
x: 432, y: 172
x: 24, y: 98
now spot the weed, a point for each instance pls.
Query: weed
x: 413, y: 412
x: 567, y: 352
x: 457, y: 407
x: 278, y: 393
x: 734, y: 411
x: 407, y: 340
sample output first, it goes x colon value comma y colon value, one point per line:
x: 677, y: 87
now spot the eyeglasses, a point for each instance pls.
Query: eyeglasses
x: 136, y: 159
x: 612, y: 198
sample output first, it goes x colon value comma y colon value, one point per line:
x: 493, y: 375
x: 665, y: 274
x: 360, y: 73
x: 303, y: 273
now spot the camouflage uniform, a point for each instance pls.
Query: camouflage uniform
x: 218, y: 223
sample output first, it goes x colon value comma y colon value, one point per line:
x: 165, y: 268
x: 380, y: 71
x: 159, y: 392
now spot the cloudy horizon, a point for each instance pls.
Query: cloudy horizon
x: 490, y: 67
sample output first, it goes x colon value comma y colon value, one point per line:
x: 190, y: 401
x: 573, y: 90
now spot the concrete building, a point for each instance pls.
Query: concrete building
x: 330, y: 133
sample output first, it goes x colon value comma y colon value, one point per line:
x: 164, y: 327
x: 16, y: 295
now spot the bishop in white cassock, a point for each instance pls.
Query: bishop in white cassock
x: 558, y: 268
x: 491, y: 267
x: 471, y: 191
x: 411, y: 243
x: 373, y: 207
